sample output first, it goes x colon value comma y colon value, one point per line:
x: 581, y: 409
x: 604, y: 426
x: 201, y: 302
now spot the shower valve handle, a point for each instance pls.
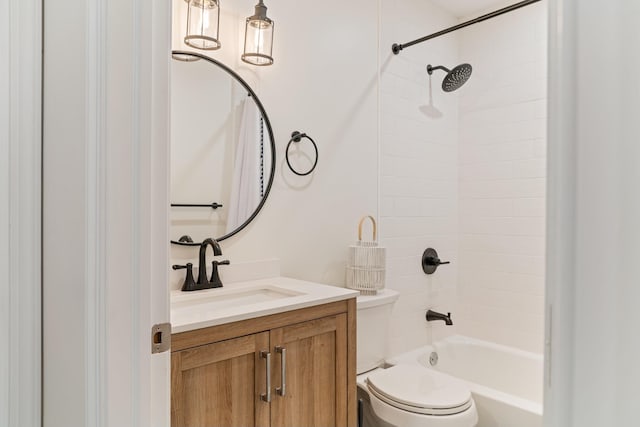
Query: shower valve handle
x: 431, y: 261
x: 435, y: 261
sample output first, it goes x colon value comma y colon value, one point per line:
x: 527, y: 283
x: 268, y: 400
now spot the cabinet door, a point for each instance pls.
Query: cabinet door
x: 316, y: 374
x: 220, y: 384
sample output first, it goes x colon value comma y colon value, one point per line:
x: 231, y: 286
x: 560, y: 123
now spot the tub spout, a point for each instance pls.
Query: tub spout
x: 434, y: 315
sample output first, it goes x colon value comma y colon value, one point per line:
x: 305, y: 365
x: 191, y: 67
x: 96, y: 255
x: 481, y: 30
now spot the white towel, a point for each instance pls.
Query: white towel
x: 246, y: 186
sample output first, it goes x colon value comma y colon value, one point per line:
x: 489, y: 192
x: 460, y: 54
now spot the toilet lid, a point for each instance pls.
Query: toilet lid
x: 420, y: 390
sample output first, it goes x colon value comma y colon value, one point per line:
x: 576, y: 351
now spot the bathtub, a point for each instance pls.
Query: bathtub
x: 506, y: 383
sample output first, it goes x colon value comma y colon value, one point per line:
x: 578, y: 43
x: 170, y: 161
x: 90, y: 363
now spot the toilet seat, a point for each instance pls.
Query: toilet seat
x: 420, y: 410
x: 419, y: 390
x: 399, y: 417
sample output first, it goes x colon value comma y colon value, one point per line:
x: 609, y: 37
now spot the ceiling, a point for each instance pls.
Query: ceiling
x: 471, y: 8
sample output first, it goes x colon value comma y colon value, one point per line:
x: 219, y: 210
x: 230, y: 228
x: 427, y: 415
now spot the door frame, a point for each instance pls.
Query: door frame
x: 561, y: 212
x: 105, y: 211
x: 593, y: 216
x: 20, y: 207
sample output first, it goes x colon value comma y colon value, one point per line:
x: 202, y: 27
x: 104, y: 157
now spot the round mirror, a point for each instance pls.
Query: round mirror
x: 222, y: 150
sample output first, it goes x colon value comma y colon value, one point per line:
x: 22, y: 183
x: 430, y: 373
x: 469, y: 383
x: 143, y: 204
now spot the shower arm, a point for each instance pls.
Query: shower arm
x: 397, y: 47
x: 431, y: 69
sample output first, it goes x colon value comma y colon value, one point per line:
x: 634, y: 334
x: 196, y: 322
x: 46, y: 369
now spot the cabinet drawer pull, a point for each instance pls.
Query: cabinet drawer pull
x: 283, y: 370
x: 266, y: 397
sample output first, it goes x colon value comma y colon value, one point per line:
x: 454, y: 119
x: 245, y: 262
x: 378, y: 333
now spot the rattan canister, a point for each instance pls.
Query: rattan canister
x: 366, y: 266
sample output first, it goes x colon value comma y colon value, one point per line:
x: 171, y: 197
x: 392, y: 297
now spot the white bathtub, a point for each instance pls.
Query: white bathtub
x: 506, y: 383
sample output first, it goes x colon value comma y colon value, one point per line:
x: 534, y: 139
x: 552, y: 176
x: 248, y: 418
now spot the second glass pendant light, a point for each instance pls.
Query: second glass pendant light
x: 258, y: 37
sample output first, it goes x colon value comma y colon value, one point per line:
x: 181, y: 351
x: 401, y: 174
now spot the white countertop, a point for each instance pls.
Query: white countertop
x: 247, y: 300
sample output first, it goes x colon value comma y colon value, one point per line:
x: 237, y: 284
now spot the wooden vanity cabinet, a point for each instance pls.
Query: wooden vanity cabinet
x: 215, y: 384
x: 219, y: 374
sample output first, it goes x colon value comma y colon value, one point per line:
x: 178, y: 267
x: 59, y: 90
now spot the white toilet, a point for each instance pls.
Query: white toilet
x: 403, y: 395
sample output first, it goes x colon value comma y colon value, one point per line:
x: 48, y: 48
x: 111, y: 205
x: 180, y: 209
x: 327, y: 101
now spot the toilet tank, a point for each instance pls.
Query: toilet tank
x: 374, y: 313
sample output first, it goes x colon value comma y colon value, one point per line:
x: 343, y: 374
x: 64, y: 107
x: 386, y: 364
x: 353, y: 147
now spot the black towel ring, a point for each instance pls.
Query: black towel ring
x: 297, y: 137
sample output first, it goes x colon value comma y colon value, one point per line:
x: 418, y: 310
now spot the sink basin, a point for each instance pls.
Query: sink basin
x: 218, y: 299
x: 247, y: 300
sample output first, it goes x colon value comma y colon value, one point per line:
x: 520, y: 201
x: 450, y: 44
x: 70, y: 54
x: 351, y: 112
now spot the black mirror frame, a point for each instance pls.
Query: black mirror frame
x: 269, y: 129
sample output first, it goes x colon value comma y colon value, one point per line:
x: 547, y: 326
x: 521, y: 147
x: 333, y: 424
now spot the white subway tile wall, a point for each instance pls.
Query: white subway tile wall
x: 419, y: 169
x: 465, y: 173
x: 502, y: 173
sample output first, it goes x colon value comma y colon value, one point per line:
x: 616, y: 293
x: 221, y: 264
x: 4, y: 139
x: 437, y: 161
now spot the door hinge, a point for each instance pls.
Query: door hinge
x: 160, y: 338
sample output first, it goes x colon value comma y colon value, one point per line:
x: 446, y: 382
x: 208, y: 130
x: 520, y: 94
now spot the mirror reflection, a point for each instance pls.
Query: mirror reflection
x: 221, y: 150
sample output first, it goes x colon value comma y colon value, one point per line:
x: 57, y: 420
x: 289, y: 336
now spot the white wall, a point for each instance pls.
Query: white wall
x: 419, y: 169
x: 323, y: 82
x: 502, y: 174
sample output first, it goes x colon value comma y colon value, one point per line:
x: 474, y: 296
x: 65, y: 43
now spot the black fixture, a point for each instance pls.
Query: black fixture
x: 455, y: 78
x: 397, y: 47
x: 215, y: 277
x: 189, y: 284
x: 203, y: 282
x: 434, y: 315
x: 430, y: 261
x: 213, y: 205
x: 297, y: 137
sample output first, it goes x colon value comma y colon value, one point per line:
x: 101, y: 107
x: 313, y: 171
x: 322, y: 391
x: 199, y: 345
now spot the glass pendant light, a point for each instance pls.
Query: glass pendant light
x: 203, y: 24
x: 258, y: 38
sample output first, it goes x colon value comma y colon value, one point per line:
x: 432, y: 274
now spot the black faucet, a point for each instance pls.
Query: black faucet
x: 214, y: 281
x: 434, y: 315
x: 203, y: 282
x: 202, y: 261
